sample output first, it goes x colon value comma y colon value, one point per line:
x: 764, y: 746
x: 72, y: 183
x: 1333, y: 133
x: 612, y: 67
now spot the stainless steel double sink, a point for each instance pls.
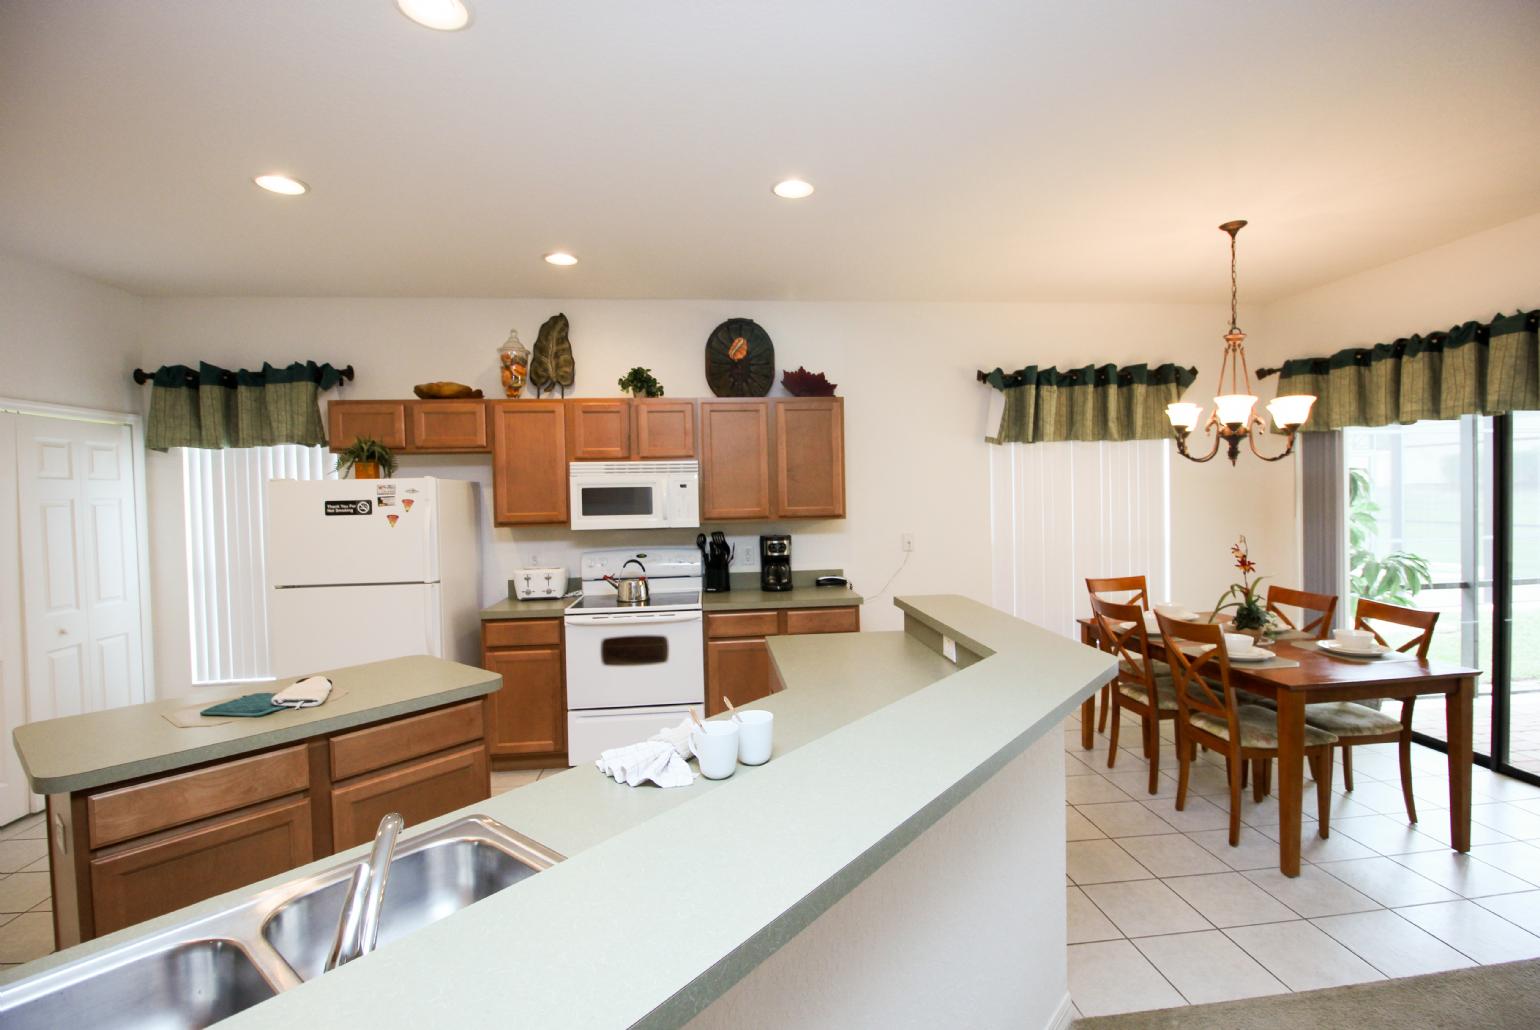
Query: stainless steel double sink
x: 199, y: 972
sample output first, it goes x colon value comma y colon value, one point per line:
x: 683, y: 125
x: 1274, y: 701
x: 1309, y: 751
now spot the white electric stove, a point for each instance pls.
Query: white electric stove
x: 633, y: 669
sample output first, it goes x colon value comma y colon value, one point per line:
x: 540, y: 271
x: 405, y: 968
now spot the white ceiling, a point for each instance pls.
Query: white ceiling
x: 962, y: 150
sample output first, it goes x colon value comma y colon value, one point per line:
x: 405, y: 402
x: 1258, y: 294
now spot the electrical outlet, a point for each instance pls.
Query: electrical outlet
x: 907, y: 541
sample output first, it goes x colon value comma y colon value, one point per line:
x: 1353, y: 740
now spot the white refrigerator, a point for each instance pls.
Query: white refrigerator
x: 361, y: 570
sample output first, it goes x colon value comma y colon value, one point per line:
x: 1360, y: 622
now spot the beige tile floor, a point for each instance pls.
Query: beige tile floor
x: 1163, y: 912
x: 26, y: 907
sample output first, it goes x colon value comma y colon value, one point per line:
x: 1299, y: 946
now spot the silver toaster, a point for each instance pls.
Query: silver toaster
x: 538, y: 584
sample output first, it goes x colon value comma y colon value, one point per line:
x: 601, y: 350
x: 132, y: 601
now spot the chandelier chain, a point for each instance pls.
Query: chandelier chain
x: 1234, y: 286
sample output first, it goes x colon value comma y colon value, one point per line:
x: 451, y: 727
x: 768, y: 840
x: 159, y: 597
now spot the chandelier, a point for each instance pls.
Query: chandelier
x: 1232, y: 419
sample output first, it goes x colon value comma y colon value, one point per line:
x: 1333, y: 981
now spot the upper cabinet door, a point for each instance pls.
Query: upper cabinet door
x: 384, y: 421
x: 810, y: 457
x: 663, y: 429
x: 448, y: 425
x: 735, y: 459
x: 529, y: 462
x: 599, y: 430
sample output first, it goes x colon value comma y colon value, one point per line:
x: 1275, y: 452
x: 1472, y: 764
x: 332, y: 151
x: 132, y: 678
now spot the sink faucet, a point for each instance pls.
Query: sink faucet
x: 359, y: 924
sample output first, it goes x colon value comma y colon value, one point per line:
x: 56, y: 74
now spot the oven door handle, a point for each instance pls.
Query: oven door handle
x: 631, y: 618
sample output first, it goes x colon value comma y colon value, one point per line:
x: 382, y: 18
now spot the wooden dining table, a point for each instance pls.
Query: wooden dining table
x: 1321, y: 677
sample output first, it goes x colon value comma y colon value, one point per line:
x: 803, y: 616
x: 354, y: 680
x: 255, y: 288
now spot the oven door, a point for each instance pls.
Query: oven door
x: 631, y: 659
x: 617, y: 501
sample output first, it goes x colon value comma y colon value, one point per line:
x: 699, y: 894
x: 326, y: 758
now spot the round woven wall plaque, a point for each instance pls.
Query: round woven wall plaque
x: 740, y: 359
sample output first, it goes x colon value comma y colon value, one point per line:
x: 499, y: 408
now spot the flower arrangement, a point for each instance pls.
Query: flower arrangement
x: 1244, y: 597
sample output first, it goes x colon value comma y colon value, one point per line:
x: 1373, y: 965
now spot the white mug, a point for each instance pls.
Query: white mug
x: 716, y: 745
x: 755, y: 730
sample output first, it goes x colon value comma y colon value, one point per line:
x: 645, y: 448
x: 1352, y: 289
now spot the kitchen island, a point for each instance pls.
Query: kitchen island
x: 900, y: 859
x: 146, y: 814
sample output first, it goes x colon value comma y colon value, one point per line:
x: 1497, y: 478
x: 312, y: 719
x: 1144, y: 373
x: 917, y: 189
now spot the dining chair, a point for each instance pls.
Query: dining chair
x: 1133, y: 585
x: 1358, y: 724
x: 1208, y: 713
x: 1325, y: 604
x: 1143, y: 684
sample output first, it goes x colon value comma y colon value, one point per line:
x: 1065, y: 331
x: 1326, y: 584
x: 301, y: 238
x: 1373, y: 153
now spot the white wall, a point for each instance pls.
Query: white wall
x: 915, y: 416
x: 1476, y: 277
x: 66, y: 339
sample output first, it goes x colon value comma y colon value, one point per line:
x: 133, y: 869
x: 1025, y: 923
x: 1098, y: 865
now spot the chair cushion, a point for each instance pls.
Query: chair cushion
x: 1346, y: 719
x: 1259, y: 728
x: 1165, y: 690
x: 1129, y: 669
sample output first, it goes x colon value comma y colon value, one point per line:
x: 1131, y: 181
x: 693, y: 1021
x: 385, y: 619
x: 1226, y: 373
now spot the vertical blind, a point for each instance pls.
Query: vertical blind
x: 225, y: 506
x: 1062, y: 512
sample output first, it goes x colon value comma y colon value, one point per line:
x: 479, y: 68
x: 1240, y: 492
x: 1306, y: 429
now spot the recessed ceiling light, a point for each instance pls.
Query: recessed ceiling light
x: 560, y: 257
x: 444, y: 15
x: 287, y: 185
x: 793, y: 189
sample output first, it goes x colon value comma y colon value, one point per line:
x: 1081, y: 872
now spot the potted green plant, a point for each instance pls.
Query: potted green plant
x: 639, y: 382
x: 367, y: 458
x: 1244, y: 597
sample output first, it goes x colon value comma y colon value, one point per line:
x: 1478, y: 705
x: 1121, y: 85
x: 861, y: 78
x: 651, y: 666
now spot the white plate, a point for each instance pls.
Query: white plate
x: 1256, y: 654
x: 1374, y: 650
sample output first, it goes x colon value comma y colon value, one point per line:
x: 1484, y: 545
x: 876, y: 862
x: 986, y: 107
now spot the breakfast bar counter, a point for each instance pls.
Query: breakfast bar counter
x: 911, y: 800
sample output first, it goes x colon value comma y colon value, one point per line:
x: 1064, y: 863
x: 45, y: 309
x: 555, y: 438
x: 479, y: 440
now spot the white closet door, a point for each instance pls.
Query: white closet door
x: 80, y: 566
x: 15, y: 797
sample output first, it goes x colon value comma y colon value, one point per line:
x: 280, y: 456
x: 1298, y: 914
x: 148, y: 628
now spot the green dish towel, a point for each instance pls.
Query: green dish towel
x: 250, y: 706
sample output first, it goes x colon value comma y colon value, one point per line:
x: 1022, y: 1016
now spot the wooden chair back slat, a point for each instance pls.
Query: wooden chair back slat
x: 1323, y: 604
x: 1121, y: 585
x: 1397, y: 615
x: 1120, y: 631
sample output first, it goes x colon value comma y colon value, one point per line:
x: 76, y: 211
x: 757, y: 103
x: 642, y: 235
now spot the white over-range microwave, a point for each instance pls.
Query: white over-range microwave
x: 635, y: 494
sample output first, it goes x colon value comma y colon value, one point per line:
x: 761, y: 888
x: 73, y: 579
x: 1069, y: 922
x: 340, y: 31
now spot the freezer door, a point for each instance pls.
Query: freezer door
x: 318, y: 628
x: 330, y: 532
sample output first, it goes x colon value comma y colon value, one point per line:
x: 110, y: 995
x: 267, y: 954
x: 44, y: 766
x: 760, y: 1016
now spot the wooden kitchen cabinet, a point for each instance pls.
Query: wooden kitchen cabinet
x: 384, y: 421
x: 809, y: 457
x: 529, y: 462
x: 599, y: 430
x: 738, y: 662
x: 662, y: 429
x: 735, y: 459
x: 418, y: 790
x: 527, y: 718
x: 447, y: 426
x: 168, y: 871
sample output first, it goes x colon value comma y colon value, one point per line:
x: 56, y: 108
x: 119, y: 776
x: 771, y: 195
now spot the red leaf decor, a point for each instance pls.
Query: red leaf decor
x: 803, y: 383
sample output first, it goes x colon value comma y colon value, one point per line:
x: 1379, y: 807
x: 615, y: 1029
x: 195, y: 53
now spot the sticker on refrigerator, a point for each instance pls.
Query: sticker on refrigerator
x: 392, y: 519
x: 359, y: 507
x: 385, y: 495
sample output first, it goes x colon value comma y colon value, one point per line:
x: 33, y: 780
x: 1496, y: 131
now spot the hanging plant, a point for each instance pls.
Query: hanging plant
x: 639, y: 382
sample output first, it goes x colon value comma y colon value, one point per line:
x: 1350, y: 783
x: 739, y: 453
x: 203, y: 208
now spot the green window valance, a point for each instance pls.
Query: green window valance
x: 213, y: 408
x: 1473, y: 369
x: 1097, y: 402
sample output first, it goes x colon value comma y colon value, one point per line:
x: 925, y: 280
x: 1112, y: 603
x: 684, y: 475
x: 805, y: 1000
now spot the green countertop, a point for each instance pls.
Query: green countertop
x: 84, y: 751
x: 513, y: 608
x: 870, y: 750
x: 739, y: 599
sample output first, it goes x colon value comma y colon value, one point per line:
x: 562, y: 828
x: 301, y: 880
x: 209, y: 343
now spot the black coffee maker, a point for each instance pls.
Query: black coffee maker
x: 775, y: 562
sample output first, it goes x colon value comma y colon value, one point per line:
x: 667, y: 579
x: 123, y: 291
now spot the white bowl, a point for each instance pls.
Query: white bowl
x: 1354, y: 639
x: 1176, y: 611
x: 1238, y: 642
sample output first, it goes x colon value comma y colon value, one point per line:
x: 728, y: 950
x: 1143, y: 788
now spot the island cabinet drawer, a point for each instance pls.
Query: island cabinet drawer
x: 142, y: 808
x: 419, y: 791
x: 742, y: 624
x: 145, y: 879
x: 376, y: 747
x: 823, y: 620
x: 521, y: 632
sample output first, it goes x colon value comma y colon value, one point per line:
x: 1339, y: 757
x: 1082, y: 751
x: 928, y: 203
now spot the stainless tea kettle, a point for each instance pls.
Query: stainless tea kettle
x: 630, y: 591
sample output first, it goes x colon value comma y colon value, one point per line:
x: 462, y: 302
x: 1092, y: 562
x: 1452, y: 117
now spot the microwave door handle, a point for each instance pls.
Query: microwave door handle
x: 638, y: 619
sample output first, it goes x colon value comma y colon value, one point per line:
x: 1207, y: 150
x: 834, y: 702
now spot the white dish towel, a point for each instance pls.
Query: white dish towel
x: 657, y: 761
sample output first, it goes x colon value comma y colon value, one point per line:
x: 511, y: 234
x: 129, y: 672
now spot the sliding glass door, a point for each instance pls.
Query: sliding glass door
x: 1445, y: 515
